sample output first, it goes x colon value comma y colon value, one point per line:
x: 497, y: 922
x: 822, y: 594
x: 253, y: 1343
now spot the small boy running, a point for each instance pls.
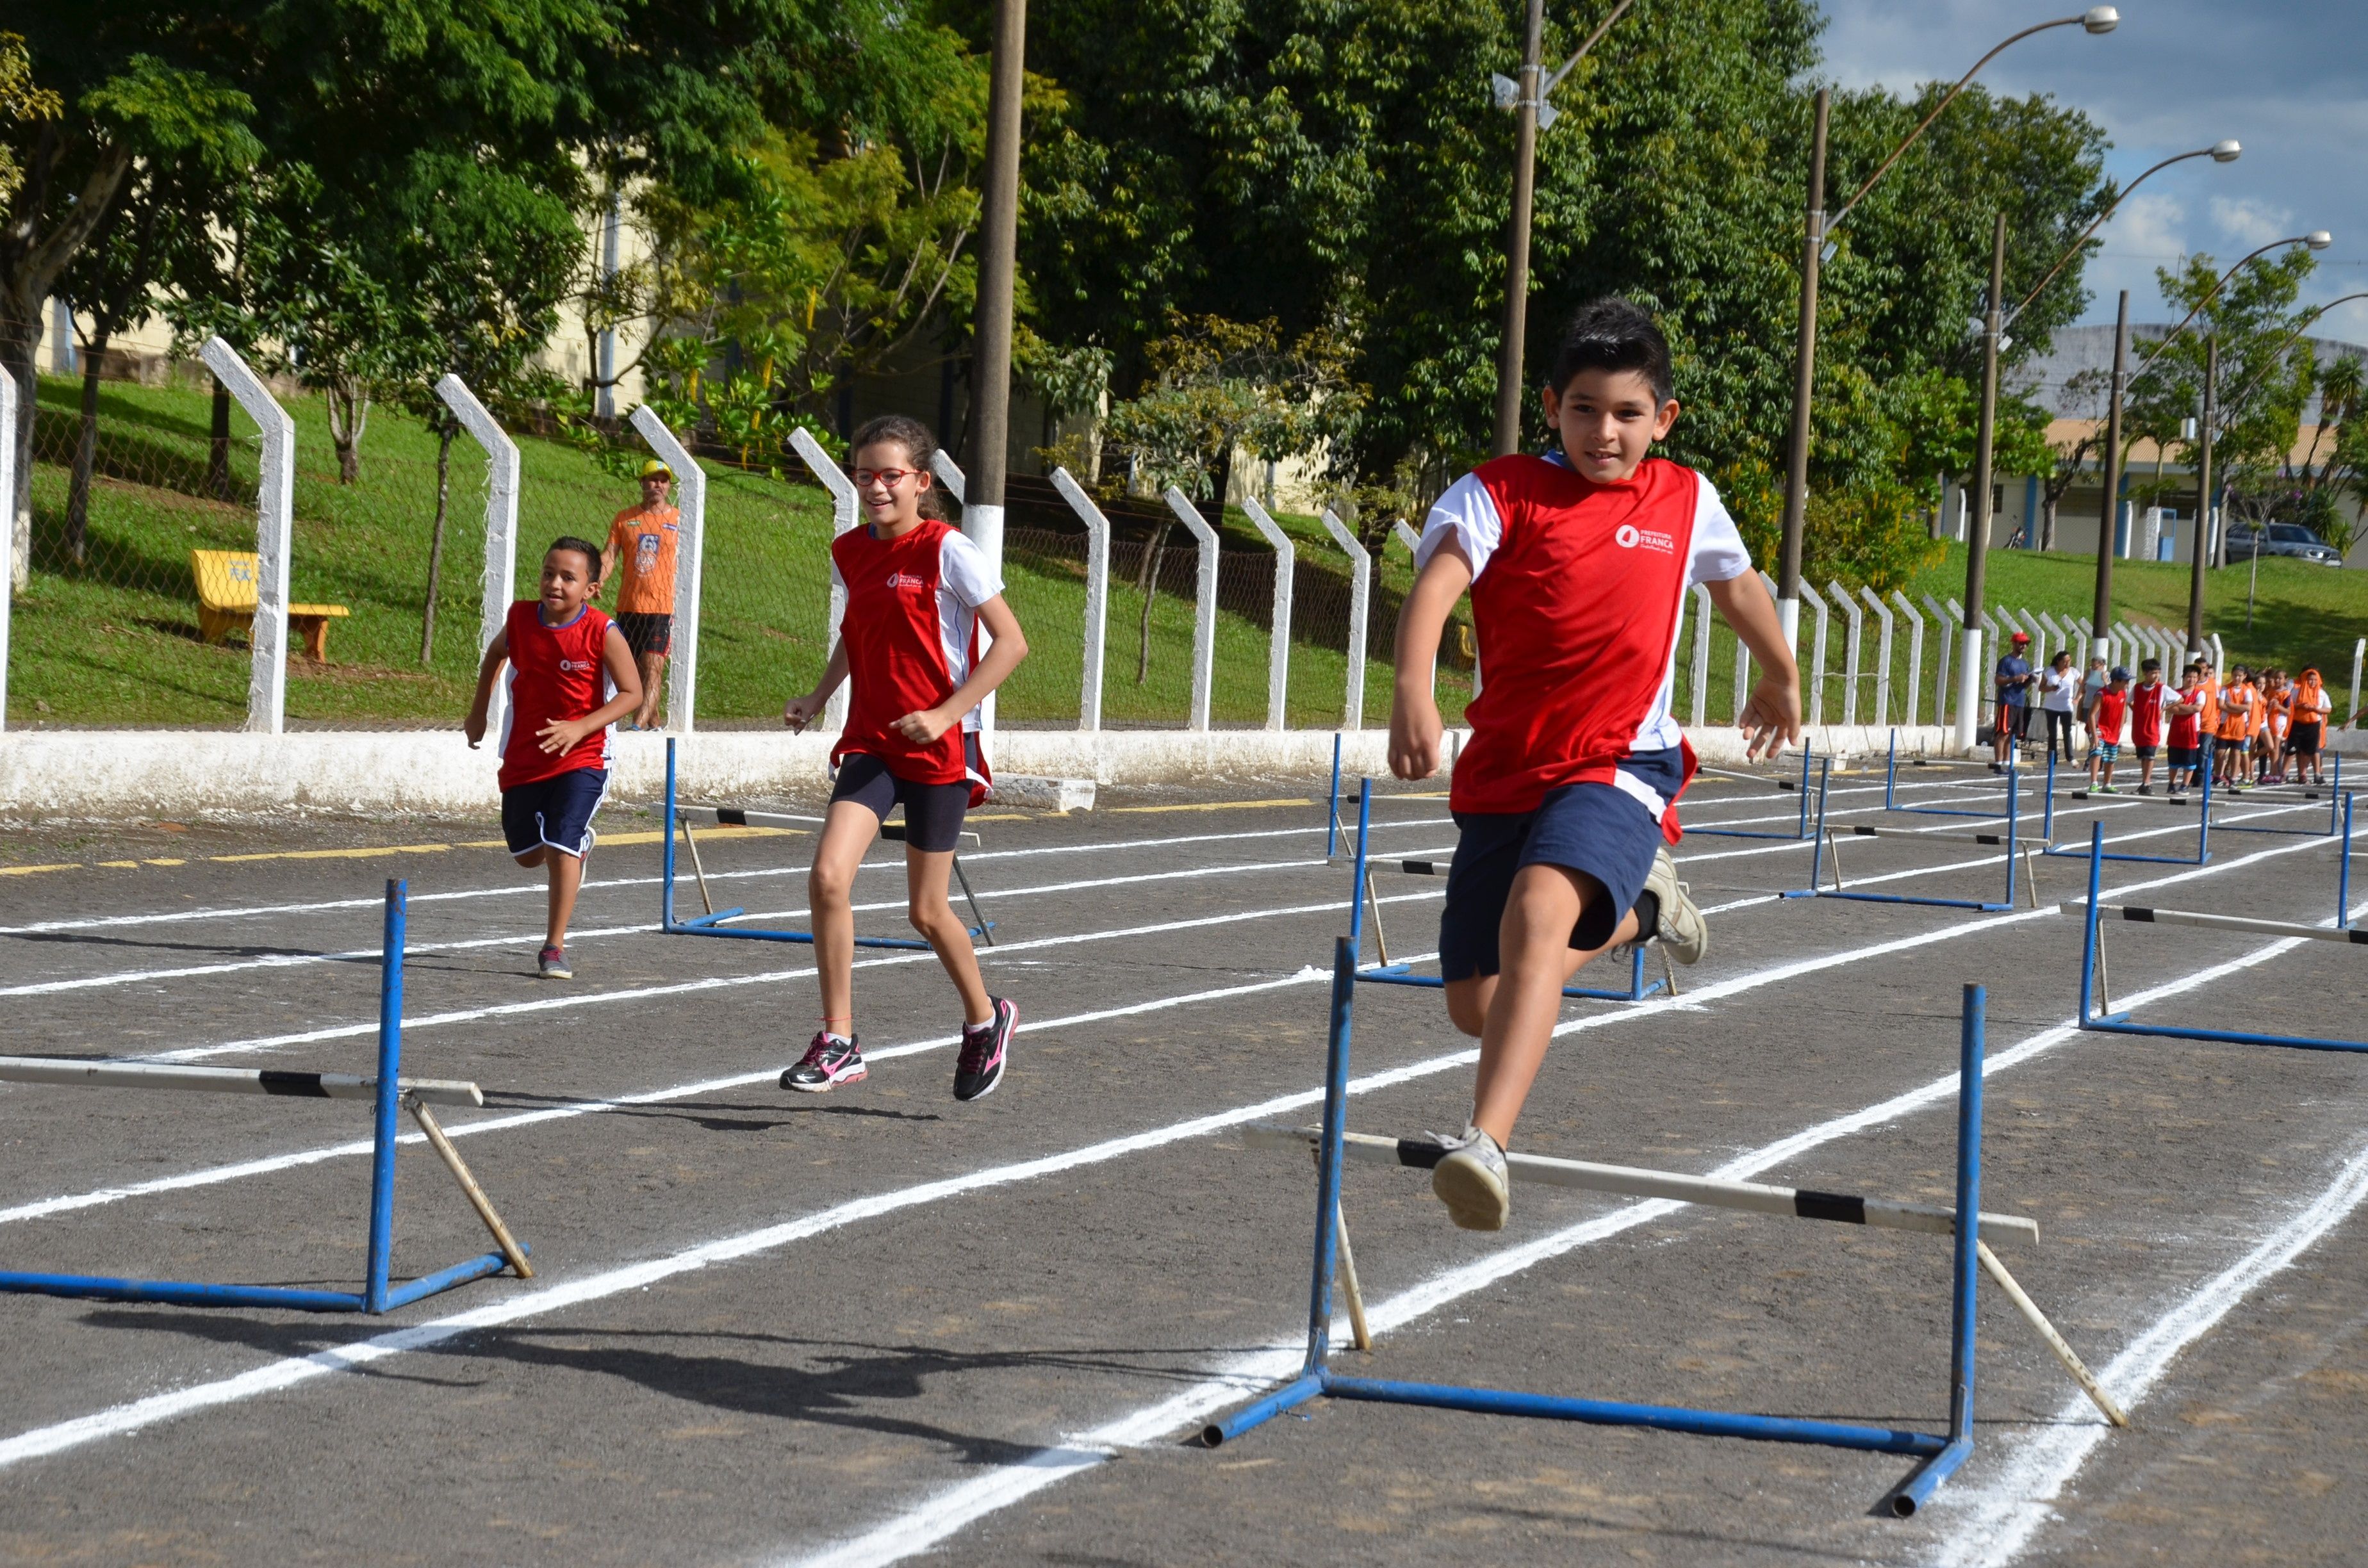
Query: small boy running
x: 571, y: 676
x: 2113, y: 708
x: 918, y: 594
x: 1578, y: 563
x: 2145, y: 721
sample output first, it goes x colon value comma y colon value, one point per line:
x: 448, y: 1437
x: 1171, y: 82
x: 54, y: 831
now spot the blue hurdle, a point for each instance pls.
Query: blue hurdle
x: 1801, y: 831
x: 1940, y: 1453
x: 2096, y: 1003
x: 1825, y: 846
x: 712, y: 923
x: 378, y: 1294
x: 2203, y: 827
x: 1388, y: 974
x: 2308, y: 792
x: 1891, y: 785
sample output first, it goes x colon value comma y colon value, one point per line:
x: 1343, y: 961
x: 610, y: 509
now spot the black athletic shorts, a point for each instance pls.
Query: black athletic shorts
x: 933, y: 812
x: 2305, y: 739
x: 646, y: 634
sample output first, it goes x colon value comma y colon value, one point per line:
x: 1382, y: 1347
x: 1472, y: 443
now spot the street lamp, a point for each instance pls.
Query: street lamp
x: 1994, y: 342
x: 2109, y: 506
x: 1527, y: 99
x: 2095, y: 19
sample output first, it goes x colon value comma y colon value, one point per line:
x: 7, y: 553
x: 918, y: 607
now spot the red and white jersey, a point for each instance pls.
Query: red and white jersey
x: 2146, y: 713
x: 1578, y: 590
x: 555, y: 673
x: 911, y: 633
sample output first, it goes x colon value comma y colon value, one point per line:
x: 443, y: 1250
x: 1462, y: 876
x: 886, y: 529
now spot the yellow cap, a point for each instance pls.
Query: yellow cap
x: 656, y: 470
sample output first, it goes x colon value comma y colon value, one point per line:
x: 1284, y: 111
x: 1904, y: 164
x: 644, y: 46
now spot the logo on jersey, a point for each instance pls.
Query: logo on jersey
x: 645, y: 550
x: 907, y: 580
x: 1630, y: 536
x: 571, y: 666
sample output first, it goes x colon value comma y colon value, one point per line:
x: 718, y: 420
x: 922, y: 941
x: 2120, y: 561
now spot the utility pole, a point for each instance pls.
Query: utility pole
x: 1517, y: 239
x: 997, y: 261
x: 2202, y: 496
x: 1805, y: 375
x: 2109, y: 511
x: 1977, y: 543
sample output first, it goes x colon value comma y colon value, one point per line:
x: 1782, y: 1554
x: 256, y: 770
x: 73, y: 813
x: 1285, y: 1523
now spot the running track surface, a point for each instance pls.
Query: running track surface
x: 879, y: 1326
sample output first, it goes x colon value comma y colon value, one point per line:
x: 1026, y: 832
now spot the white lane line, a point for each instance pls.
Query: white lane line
x: 945, y: 1513
x: 522, y: 887
x: 139, y: 1413
x: 42, y: 1208
x: 643, y: 928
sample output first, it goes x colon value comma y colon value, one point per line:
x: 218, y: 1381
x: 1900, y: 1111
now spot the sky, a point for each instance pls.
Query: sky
x: 2284, y: 78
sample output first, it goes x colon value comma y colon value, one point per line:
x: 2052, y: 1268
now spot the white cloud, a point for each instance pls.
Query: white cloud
x: 2148, y: 225
x: 2251, y: 223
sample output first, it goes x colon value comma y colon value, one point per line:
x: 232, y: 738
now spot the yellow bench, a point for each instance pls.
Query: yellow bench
x: 226, y: 601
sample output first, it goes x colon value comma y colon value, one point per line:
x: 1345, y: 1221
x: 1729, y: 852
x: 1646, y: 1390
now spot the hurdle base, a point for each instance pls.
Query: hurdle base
x: 1290, y: 1396
x: 703, y: 926
x: 190, y: 1294
x: 1918, y: 1489
x: 2063, y: 854
x: 1899, y: 898
x: 2118, y: 1022
x: 1401, y: 974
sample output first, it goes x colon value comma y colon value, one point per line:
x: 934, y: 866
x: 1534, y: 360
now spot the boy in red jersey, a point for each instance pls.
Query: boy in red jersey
x: 1578, y: 563
x: 2146, y: 720
x: 2106, y: 722
x: 571, y: 676
x: 918, y: 592
x: 2186, y: 710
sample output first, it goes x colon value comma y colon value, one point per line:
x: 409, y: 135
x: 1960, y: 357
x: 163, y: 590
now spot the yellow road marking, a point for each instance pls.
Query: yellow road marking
x: 319, y: 854
x: 28, y: 870
x: 129, y: 865
x: 1210, y: 806
x: 168, y: 860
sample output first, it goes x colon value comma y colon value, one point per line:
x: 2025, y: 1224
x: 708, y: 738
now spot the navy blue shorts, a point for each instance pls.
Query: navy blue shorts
x: 933, y: 812
x: 556, y: 812
x: 1594, y: 828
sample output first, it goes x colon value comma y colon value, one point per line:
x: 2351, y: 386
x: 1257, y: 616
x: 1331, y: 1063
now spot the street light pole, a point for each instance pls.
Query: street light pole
x: 2202, y: 496
x: 2095, y: 19
x: 2109, y: 513
x: 1508, y: 438
x: 2223, y: 152
x: 1969, y: 670
x: 1804, y: 371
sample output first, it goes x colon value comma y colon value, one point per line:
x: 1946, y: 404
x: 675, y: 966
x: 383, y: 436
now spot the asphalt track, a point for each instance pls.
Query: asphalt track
x: 879, y: 1325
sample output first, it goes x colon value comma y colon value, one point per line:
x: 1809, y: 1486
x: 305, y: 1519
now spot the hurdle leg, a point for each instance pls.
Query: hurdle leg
x: 1332, y: 805
x: 697, y: 869
x: 1373, y: 898
x: 1914, y: 1493
x: 2056, y: 1342
x: 476, y: 1194
x: 1359, y: 1335
x: 1669, y: 972
x: 390, y: 1068
x: 2029, y: 875
x: 975, y: 914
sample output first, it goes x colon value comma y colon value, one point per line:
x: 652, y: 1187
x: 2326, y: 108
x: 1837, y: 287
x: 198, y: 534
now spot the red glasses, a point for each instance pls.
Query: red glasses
x: 891, y: 477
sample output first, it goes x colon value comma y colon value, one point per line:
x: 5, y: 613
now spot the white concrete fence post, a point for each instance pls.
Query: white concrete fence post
x: 2359, y: 657
x: 1404, y: 533
x: 1361, y: 594
x: 1882, y: 655
x: 842, y: 509
x: 500, y: 580
x: 267, y: 683
x: 1098, y: 549
x: 983, y: 525
x: 8, y: 501
x: 1277, y: 642
x: 1817, y: 672
x: 1702, y: 654
x: 1946, y: 633
x: 1851, y: 642
x: 690, y: 540
x: 1204, y: 604
x: 1915, y: 652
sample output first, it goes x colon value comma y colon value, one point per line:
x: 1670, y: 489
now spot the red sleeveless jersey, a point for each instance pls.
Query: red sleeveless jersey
x: 1576, y: 600
x: 556, y: 673
x: 911, y: 634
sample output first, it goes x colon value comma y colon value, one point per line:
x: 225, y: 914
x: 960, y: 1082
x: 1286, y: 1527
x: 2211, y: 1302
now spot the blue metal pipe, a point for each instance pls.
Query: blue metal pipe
x: 1357, y: 881
x: 2343, y: 867
x: 2089, y: 937
x: 183, y: 1293
x: 1396, y: 974
x: 2335, y: 791
x: 1800, y: 830
x: 912, y: 944
x: 1918, y: 1488
x: 1617, y: 1413
x: 1292, y: 1395
x: 390, y: 1069
x: 1332, y: 806
x: 665, y: 881
x: 1327, y: 1165
x: 1969, y: 1209
x: 2112, y: 1025
x: 444, y: 1280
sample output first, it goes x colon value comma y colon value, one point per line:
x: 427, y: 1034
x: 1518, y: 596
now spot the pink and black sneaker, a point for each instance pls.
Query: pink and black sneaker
x: 985, y: 1050
x: 828, y: 1063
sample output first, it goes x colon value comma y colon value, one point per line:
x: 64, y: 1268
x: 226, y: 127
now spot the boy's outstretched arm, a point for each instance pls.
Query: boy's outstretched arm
x: 1415, y: 728
x: 1772, y: 716
x: 498, y: 652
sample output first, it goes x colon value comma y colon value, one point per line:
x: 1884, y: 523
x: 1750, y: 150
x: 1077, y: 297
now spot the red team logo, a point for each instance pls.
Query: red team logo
x: 905, y: 580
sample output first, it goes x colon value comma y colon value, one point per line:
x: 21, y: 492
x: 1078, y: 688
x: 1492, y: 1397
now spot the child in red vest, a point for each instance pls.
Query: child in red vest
x: 571, y: 676
x: 2186, y: 709
x: 1578, y: 563
x: 2145, y: 721
x: 918, y: 592
x: 2106, y: 721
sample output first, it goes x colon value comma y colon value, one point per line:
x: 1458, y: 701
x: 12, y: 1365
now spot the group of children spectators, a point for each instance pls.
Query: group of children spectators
x: 2251, y: 728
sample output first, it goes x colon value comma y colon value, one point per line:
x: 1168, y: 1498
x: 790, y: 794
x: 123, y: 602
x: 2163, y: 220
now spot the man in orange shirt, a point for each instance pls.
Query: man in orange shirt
x: 640, y: 561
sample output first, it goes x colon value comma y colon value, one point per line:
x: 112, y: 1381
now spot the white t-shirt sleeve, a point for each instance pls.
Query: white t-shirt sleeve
x: 961, y: 566
x: 1719, y: 553
x: 1468, y: 514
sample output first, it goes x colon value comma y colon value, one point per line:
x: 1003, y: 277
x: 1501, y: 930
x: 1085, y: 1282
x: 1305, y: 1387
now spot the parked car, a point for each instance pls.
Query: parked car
x: 2283, y: 538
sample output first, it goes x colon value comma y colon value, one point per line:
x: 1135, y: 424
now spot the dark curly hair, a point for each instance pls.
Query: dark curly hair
x: 1611, y: 334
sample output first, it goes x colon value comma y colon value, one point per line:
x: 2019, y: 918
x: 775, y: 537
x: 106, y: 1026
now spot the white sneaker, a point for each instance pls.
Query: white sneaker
x: 1682, y: 931
x: 1472, y: 1179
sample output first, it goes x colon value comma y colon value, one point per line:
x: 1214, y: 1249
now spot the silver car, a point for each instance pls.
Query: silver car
x: 2283, y: 538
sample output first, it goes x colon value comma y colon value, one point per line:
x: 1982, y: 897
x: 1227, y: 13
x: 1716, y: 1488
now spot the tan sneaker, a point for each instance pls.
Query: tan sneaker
x: 1473, y: 1181
x: 1683, y: 933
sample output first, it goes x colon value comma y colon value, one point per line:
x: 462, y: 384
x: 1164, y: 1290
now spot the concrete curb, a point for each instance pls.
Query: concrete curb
x: 98, y: 775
